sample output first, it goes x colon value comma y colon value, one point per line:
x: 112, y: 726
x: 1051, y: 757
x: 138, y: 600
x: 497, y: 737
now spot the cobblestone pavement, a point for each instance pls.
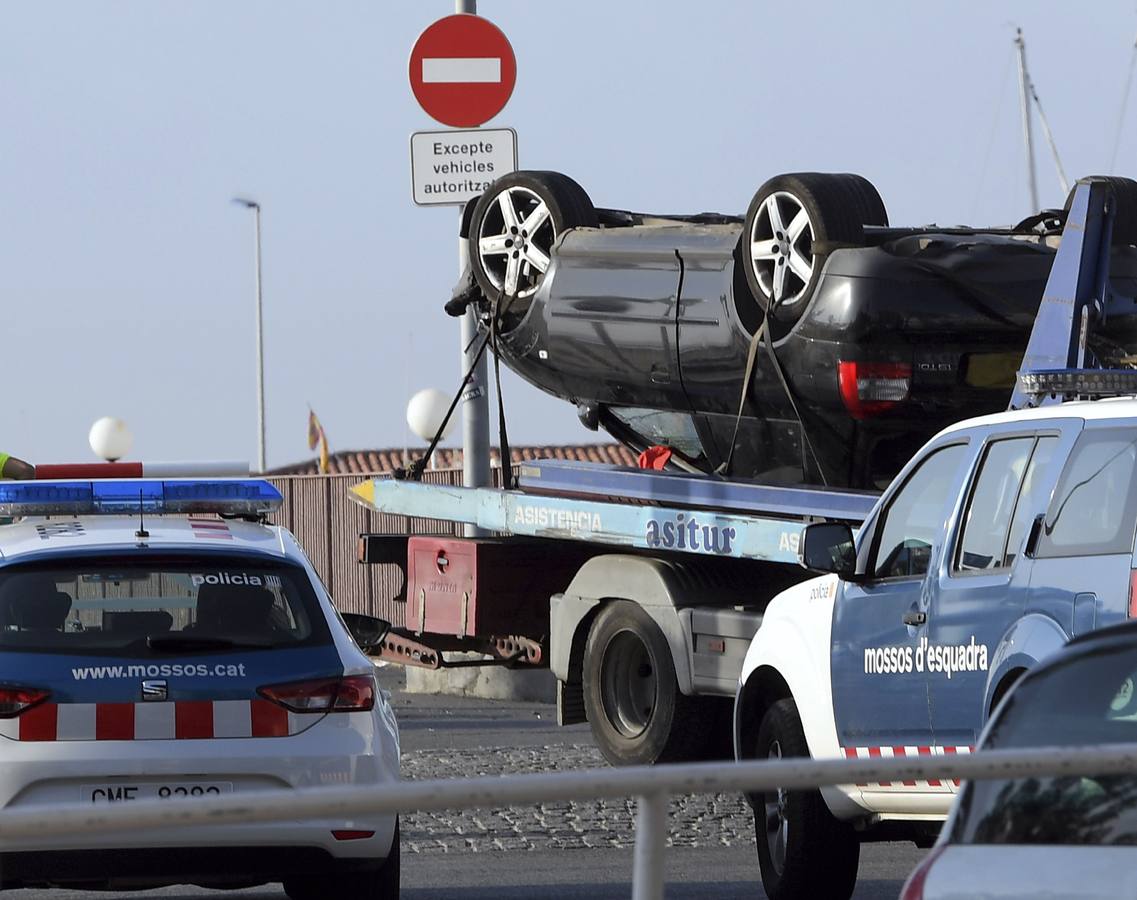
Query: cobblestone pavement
x: 696, y: 821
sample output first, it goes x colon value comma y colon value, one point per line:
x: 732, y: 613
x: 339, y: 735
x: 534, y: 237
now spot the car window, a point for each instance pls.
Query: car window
x: 991, y: 505
x: 1093, y: 509
x: 1030, y: 501
x: 915, y: 515
x: 85, y: 606
x: 1084, y: 701
x: 662, y: 427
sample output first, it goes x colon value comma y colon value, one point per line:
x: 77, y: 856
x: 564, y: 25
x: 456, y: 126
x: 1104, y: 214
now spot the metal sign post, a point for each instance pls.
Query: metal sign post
x: 476, y: 401
x: 462, y: 72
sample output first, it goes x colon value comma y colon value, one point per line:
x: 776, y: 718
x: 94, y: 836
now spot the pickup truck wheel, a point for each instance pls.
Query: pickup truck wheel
x: 634, y: 706
x: 803, y: 851
x: 381, y: 884
x: 515, y: 224
x: 789, y: 231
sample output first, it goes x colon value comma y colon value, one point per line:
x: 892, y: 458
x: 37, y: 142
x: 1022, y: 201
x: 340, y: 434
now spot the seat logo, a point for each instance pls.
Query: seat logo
x: 154, y: 689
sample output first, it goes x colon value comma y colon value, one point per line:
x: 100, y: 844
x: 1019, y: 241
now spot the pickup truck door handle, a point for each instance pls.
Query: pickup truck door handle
x: 915, y: 618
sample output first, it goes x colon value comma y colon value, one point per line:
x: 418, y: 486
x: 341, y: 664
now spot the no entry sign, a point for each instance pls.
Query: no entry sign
x: 462, y: 70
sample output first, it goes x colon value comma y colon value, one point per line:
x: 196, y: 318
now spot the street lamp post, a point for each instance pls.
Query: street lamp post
x: 256, y: 208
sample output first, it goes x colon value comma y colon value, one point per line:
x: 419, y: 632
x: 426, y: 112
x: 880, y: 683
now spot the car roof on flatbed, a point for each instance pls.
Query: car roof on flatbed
x: 45, y: 536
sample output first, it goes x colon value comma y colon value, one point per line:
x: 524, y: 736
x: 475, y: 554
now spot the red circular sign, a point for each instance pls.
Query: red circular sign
x: 462, y: 70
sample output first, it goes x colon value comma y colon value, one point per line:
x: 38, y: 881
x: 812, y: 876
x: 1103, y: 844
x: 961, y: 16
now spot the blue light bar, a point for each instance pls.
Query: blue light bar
x: 1037, y: 383
x: 237, y: 497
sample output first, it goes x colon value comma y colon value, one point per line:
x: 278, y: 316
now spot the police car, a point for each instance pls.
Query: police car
x: 1000, y: 540
x: 145, y: 654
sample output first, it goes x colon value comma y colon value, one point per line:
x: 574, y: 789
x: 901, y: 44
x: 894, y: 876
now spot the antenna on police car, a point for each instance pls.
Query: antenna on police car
x: 141, y: 533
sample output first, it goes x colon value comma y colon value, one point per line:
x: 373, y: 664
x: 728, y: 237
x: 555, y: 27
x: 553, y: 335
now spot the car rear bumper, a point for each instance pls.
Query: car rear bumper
x: 227, y: 866
x: 359, y: 750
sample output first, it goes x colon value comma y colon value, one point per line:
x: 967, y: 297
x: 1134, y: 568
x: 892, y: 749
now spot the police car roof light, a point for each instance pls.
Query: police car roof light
x: 237, y: 497
x: 1078, y: 382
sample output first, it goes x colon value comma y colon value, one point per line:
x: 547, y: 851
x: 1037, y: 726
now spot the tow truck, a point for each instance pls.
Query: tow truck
x: 641, y: 590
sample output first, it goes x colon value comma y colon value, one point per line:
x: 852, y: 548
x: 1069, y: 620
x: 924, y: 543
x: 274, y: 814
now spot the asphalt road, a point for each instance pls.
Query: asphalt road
x: 568, y: 851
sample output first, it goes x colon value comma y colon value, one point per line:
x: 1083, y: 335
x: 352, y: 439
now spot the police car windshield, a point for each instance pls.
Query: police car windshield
x: 152, y: 608
x: 1087, y: 700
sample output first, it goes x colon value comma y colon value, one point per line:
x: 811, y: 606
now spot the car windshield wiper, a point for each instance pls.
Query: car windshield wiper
x: 178, y: 642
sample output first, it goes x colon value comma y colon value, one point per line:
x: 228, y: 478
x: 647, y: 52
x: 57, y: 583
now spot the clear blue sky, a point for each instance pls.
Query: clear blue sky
x: 126, y: 277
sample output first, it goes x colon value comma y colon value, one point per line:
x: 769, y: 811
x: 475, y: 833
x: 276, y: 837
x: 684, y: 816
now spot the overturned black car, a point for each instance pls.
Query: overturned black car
x: 856, y: 341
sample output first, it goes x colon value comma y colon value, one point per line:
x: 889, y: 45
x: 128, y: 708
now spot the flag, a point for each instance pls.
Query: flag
x: 316, y: 436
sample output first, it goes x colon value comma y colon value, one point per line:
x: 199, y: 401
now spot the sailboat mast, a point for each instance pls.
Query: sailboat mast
x: 1028, y: 134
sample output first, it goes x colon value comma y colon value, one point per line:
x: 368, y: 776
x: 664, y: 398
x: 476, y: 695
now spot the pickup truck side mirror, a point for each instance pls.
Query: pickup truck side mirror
x: 367, y: 631
x: 828, y: 547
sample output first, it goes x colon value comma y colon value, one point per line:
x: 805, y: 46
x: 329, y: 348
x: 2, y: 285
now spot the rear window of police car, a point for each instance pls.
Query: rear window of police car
x: 1094, y: 507
x: 136, y: 608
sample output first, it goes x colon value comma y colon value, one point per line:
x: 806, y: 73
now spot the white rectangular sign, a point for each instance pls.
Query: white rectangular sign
x: 450, y: 167
x: 463, y: 69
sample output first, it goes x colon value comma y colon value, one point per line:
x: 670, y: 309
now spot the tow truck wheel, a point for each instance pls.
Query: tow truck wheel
x: 803, y: 851
x: 381, y: 884
x: 632, y: 699
x: 790, y: 229
x: 514, y: 226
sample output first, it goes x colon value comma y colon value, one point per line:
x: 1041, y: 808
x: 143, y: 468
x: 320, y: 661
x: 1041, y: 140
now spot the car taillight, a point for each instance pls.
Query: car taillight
x: 914, y: 887
x: 1133, y: 593
x: 351, y: 693
x: 15, y: 700
x: 350, y: 834
x: 869, y: 388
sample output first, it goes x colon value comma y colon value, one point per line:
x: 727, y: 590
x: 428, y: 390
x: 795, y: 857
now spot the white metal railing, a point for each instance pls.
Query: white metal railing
x: 651, y: 785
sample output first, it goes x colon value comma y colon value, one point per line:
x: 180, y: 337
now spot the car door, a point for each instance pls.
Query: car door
x: 610, y: 313
x: 981, y: 587
x: 1082, y: 573
x: 880, y: 696
x: 714, y: 342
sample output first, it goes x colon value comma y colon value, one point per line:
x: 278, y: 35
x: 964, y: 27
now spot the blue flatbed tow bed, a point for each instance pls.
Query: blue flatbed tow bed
x: 634, y: 508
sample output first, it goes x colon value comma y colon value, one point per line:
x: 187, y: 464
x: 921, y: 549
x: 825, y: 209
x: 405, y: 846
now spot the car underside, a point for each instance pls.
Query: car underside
x: 855, y: 341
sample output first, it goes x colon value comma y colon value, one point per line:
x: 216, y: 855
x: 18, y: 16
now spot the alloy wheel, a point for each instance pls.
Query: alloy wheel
x: 777, y: 823
x: 515, y: 240
x: 781, y: 249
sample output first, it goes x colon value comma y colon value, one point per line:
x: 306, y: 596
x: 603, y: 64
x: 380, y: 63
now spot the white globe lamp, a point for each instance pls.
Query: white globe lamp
x: 110, y: 438
x: 425, y: 413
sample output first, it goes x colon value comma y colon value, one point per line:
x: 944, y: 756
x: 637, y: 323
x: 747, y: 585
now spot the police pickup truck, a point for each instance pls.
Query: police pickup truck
x: 1000, y: 540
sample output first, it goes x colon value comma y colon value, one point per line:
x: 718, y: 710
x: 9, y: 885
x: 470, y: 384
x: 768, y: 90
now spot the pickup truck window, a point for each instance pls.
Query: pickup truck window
x: 1000, y: 508
x: 1030, y: 501
x: 992, y: 504
x: 915, y: 516
x: 1095, y: 504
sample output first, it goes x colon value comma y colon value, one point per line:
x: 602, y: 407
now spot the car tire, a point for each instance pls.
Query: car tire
x: 1125, y: 208
x: 868, y: 199
x: 379, y: 884
x: 508, y: 258
x: 632, y: 699
x: 792, y: 225
x: 803, y: 851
